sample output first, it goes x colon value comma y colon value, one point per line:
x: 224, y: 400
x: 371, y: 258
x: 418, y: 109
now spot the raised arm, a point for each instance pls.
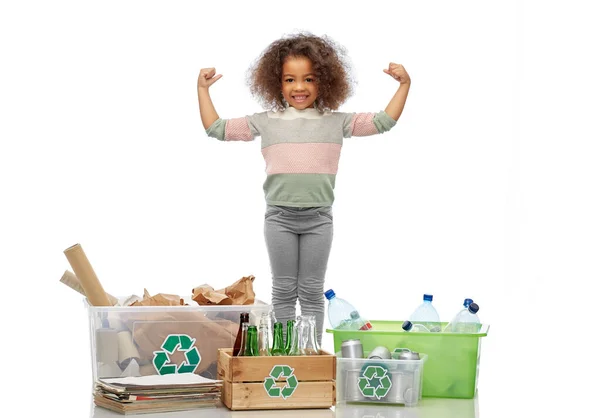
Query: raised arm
x: 367, y: 124
x: 396, y: 106
x: 208, y: 114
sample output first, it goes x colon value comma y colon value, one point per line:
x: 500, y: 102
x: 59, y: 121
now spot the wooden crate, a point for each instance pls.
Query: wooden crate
x: 249, y: 382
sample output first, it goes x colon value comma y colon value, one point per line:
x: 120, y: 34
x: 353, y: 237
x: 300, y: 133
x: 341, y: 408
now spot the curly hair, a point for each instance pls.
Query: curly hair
x: 329, y: 62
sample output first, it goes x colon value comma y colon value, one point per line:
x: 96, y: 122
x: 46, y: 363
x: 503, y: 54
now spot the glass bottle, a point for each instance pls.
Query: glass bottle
x: 278, y: 348
x: 289, y: 336
x: 237, y: 346
x: 243, y: 339
x: 264, y: 340
x: 294, y: 351
x: 268, y: 320
x: 307, y: 336
x: 251, y: 341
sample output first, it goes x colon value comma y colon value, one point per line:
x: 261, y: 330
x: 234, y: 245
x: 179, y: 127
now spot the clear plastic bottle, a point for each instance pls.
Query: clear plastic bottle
x: 467, y: 321
x: 427, y: 315
x: 410, y: 327
x: 466, y: 304
x: 342, y: 315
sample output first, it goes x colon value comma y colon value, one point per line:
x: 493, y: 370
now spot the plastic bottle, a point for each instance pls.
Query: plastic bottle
x: 427, y: 315
x: 466, y: 304
x: 410, y: 327
x: 342, y: 315
x: 237, y: 346
x: 466, y: 321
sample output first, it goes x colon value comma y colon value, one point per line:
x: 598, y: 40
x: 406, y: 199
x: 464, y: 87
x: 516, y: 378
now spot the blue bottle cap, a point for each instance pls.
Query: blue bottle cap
x: 428, y: 297
x: 329, y: 294
x: 407, y: 325
x: 473, y: 308
x: 467, y: 302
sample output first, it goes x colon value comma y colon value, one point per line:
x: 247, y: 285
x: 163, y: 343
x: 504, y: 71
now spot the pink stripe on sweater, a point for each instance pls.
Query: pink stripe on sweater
x: 238, y: 130
x: 303, y: 158
x: 362, y: 124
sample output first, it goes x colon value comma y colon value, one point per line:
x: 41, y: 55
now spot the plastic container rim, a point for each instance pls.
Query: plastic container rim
x: 219, y: 308
x: 482, y: 333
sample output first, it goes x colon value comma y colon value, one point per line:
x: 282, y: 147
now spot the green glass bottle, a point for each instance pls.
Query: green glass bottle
x: 252, y: 342
x: 278, y: 347
x: 288, y: 337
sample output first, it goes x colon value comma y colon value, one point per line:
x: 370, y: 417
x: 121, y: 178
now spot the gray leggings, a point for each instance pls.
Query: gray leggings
x: 298, y: 241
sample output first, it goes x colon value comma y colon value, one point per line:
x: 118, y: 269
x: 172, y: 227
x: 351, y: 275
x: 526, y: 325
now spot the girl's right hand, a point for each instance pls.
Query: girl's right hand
x: 207, y: 78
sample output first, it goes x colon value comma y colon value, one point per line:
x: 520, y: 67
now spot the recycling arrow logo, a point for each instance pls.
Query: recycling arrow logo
x: 176, y: 342
x: 374, y: 382
x: 276, y: 373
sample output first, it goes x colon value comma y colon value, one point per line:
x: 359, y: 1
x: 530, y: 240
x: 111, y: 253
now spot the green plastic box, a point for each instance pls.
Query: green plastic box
x: 453, y: 359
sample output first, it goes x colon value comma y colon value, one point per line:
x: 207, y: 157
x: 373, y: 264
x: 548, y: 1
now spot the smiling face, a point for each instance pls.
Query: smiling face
x: 298, y: 83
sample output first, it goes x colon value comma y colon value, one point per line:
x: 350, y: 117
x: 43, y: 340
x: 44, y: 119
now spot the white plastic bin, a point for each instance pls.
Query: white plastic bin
x: 379, y: 381
x: 150, y: 340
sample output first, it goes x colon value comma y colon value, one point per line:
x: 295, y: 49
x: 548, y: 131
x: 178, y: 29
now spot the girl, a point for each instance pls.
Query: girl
x: 302, y: 79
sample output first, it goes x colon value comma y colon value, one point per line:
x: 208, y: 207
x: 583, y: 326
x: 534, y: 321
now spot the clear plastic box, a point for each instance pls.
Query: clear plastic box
x: 151, y: 340
x: 379, y: 381
x: 453, y: 366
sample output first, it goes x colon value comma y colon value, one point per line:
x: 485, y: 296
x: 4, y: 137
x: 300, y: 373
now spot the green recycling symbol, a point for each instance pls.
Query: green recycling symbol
x: 176, y: 342
x: 277, y: 372
x: 374, y: 382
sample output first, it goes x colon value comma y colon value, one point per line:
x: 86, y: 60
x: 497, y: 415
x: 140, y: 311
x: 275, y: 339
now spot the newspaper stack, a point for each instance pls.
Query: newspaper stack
x: 151, y: 394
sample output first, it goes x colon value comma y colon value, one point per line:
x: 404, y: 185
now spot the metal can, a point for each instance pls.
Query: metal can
x: 410, y: 360
x: 405, y: 354
x: 351, y: 387
x: 352, y: 349
x: 380, y: 352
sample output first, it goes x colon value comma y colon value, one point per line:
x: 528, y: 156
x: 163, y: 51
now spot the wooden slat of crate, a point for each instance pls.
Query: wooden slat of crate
x: 308, y: 395
x: 252, y: 369
x: 243, y: 381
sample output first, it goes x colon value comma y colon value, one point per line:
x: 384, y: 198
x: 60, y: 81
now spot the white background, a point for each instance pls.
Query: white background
x: 487, y: 187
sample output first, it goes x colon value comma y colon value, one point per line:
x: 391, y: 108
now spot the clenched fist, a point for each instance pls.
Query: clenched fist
x: 207, y: 78
x: 398, y: 72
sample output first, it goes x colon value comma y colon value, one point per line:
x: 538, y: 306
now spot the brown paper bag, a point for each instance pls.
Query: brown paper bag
x: 160, y: 299
x: 239, y: 293
x: 150, y: 330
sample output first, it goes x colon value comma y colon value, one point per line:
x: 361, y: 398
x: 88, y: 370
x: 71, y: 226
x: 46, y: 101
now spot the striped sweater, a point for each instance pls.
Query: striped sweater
x: 301, y: 149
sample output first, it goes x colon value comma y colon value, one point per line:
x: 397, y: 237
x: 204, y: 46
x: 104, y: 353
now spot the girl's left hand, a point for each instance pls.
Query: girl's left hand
x: 398, y: 73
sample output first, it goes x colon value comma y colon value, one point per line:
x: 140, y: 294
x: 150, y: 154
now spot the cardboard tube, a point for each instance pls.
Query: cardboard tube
x: 107, y: 345
x: 72, y: 281
x: 87, y: 277
x: 127, y: 349
x: 108, y: 370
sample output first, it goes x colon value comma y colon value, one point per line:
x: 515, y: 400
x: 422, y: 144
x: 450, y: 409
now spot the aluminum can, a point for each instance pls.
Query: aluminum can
x: 352, y: 349
x: 380, y: 352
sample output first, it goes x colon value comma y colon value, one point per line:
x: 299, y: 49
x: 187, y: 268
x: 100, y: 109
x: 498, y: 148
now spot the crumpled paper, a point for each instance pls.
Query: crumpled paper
x: 239, y: 293
x: 160, y: 299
